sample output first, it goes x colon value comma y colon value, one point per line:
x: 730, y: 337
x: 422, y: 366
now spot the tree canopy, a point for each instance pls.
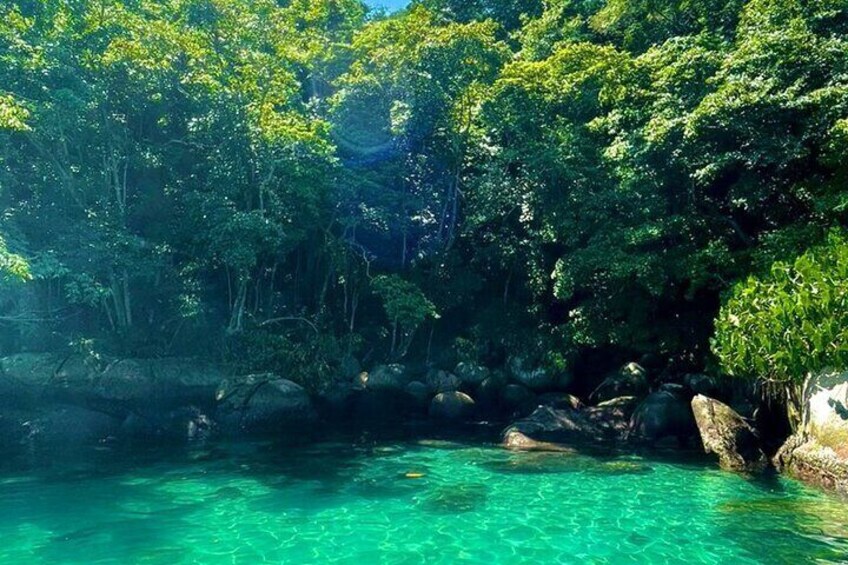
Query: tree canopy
x: 308, y: 181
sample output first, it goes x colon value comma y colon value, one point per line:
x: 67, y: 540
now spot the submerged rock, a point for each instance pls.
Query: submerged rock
x: 517, y: 441
x: 452, y: 499
x: 728, y: 435
x: 818, y: 451
x: 630, y: 380
x: 452, y: 406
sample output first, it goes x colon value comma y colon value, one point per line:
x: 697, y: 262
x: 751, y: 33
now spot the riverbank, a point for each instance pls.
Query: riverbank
x: 52, y: 403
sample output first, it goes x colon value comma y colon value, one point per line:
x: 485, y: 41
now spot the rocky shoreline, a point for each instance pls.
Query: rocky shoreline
x: 55, y: 402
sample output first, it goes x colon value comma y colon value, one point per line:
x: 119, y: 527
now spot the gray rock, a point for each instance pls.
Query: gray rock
x: 262, y: 404
x: 127, y: 382
x: 726, y: 434
x: 108, y: 384
x: 549, y: 425
x: 517, y: 441
x: 630, y: 380
x: 452, y: 406
x: 663, y: 414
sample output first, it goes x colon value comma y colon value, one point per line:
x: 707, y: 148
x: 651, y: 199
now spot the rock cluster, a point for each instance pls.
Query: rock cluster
x: 55, y: 402
x: 62, y: 402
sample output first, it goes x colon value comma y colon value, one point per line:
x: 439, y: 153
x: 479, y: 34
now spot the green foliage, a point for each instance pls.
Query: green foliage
x: 406, y: 308
x: 777, y: 328
x: 403, y: 302
x: 13, y: 116
x: 553, y: 176
x: 13, y: 267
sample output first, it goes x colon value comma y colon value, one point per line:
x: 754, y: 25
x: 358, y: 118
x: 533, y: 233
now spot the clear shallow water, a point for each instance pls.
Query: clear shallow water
x: 408, y: 502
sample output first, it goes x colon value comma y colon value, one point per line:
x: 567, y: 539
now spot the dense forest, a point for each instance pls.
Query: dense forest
x: 289, y: 185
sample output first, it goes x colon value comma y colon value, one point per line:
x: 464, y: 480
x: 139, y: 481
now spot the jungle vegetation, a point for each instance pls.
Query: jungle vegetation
x: 287, y: 184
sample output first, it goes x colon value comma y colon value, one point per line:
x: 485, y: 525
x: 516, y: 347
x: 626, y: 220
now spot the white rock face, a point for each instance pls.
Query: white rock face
x: 826, y: 410
x: 818, y: 452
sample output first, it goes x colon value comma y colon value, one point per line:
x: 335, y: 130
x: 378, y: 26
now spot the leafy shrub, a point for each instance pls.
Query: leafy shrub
x: 13, y: 267
x: 406, y: 308
x: 778, y: 327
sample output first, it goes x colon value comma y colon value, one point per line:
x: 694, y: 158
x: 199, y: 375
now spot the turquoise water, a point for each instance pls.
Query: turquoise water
x: 406, y: 502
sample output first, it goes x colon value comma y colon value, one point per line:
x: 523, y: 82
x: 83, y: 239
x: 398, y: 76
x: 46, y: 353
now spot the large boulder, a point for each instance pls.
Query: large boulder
x: 613, y: 416
x: 32, y: 379
x: 663, y: 414
x: 263, y: 404
x: 726, y: 434
x: 452, y: 406
x: 108, y: 384
x: 548, y: 425
x: 630, y: 380
x: 535, y: 378
x: 471, y: 375
x: 818, y: 451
